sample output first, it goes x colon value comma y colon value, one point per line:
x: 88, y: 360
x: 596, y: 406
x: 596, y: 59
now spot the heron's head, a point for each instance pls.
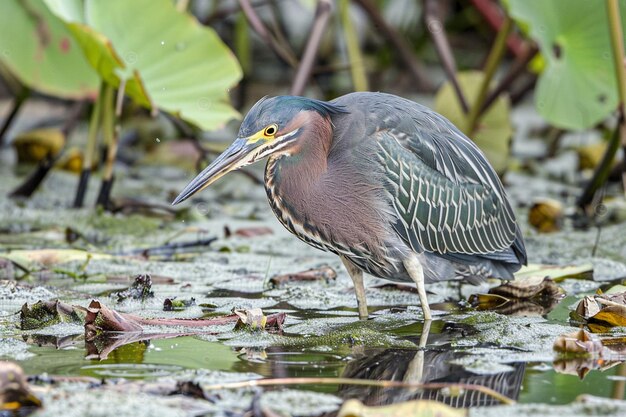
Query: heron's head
x: 272, y: 126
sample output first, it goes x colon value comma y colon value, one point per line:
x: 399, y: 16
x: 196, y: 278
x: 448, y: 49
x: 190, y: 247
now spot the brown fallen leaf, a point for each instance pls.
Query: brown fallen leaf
x: 100, y: 319
x: 252, y: 319
x: 525, y: 295
x: 418, y: 408
x: 325, y: 273
x: 602, y: 311
x: 528, y: 288
x: 14, y: 390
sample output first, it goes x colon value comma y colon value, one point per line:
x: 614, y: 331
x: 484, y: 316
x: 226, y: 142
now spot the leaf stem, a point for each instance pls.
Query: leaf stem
x: 19, y: 99
x: 90, y: 150
x: 617, y: 43
x: 442, y: 45
x: 603, y: 169
x: 363, y: 382
x: 357, y: 69
x: 493, y: 60
x: 322, y: 15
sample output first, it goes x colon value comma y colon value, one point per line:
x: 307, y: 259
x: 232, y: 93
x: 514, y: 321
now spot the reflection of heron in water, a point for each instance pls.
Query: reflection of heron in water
x: 424, y: 366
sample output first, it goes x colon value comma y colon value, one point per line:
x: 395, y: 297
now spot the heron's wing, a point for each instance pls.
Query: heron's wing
x: 448, y: 199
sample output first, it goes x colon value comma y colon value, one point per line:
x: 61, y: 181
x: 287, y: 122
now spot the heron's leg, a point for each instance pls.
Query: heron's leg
x: 416, y: 272
x: 357, y: 278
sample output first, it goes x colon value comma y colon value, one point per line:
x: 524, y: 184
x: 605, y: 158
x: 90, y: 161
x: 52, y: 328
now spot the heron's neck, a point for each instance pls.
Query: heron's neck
x: 298, y: 169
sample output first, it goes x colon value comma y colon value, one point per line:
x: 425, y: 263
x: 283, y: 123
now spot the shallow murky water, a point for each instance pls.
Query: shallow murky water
x: 322, y: 336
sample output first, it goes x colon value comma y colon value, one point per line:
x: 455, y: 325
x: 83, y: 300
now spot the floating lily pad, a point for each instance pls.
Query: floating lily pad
x: 41, y: 52
x: 168, y: 62
x: 577, y: 87
x: 493, y: 134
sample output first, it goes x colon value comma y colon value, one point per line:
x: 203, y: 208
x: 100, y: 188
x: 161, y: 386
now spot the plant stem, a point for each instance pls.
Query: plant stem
x: 90, y: 150
x: 242, y: 43
x: 257, y: 24
x: 108, y: 129
x: 491, y: 11
x: 364, y: 382
x: 603, y: 169
x: 111, y: 112
x: 401, y: 46
x: 436, y: 28
x: 617, y: 43
x: 517, y: 68
x: 493, y: 60
x: 18, y: 101
x: 322, y: 15
x: 357, y: 69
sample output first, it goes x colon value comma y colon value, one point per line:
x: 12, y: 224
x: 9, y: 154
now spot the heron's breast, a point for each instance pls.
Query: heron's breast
x: 339, y: 211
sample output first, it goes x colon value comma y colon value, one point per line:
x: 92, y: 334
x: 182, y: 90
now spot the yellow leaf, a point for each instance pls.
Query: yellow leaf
x: 613, y: 315
x: 416, y: 408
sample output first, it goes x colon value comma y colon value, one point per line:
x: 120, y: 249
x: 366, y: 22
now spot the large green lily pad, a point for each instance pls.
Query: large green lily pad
x: 493, y: 133
x: 40, y: 51
x: 577, y: 87
x: 168, y: 60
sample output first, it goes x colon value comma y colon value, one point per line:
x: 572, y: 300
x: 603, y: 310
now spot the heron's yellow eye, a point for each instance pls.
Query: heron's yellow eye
x: 270, y: 130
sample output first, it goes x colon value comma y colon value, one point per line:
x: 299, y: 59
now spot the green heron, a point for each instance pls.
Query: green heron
x: 392, y: 187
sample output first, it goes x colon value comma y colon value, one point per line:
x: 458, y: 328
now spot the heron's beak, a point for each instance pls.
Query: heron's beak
x: 239, y: 154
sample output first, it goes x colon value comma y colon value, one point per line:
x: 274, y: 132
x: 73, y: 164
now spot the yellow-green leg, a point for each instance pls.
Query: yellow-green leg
x: 416, y: 272
x: 357, y: 278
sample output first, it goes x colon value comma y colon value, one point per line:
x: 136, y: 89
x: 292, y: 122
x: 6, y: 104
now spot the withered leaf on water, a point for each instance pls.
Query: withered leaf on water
x: 602, y: 311
x: 175, y: 304
x: 14, y: 390
x: 527, y: 288
x: 525, y: 295
x: 106, y: 329
x: 252, y: 319
x: 140, y: 289
x: 47, y: 313
x: 415, y: 408
x: 100, y: 319
x: 323, y: 273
